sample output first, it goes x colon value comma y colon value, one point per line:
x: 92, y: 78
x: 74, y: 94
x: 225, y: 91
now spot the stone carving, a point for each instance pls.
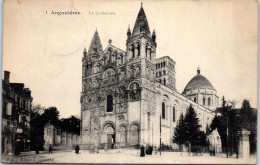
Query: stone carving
x: 122, y: 74
x: 87, y: 83
x: 109, y: 76
x: 135, y: 92
x: 121, y: 117
x: 101, y: 111
x: 122, y: 94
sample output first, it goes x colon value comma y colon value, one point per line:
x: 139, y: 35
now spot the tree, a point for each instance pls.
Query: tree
x: 179, y: 136
x: 214, y: 123
x: 236, y: 120
x: 71, y: 124
x: 37, y: 123
x: 51, y: 115
x: 192, y: 129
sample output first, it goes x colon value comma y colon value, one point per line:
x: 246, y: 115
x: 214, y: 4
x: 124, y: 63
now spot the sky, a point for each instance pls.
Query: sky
x: 44, y: 50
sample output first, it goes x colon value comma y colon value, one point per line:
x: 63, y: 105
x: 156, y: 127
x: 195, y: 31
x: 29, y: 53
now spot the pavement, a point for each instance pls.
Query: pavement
x: 123, y: 156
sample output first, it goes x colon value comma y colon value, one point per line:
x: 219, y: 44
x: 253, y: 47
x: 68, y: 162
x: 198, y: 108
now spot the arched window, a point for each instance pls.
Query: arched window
x: 204, y: 100
x: 209, y: 102
x: 150, y: 54
x: 138, y: 49
x: 122, y: 59
x: 195, y: 99
x: 133, y: 51
x: 173, y: 114
x: 109, y: 103
x: 163, y: 110
x: 164, y: 81
x: 146, y: 50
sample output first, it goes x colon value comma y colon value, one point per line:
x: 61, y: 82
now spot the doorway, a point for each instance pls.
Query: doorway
x: 110, y: 141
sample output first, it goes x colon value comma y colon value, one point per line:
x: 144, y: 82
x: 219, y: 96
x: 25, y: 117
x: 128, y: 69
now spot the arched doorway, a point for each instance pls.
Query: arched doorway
x: 134, y: 134
x: 111, y: 136
x: 122, y: 136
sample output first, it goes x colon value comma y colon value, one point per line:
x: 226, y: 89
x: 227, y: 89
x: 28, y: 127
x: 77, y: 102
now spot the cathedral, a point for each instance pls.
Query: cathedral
x: 129, y: 95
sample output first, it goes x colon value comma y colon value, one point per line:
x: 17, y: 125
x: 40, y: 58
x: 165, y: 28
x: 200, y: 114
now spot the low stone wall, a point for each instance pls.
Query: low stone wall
x: 59, y: 139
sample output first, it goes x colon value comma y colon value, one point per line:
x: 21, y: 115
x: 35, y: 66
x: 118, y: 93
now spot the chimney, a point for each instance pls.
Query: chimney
x: 27, y: 91
x: 6, y: 76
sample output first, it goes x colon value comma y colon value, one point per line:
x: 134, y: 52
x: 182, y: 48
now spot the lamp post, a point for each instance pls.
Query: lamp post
x: 227, y: 133
x: 160, y: 135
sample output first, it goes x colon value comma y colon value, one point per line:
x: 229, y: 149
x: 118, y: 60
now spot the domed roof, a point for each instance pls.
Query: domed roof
x: 198, y: 82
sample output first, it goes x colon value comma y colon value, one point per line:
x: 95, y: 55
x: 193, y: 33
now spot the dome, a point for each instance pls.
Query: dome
x: 198, y: 82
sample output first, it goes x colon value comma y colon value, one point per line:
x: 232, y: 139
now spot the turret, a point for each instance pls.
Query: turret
x: 128, y: 32
x: 154, y: 36
x: 85, y: 52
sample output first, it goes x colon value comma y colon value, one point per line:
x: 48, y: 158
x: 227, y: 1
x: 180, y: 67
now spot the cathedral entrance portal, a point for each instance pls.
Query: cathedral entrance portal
x: 111, y: 140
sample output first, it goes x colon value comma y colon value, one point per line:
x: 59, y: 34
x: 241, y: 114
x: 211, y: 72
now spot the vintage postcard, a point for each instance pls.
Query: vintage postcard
x: 143, y: 82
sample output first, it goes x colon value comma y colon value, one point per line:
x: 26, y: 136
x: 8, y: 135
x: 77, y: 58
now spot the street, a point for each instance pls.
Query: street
x: 122, y: 156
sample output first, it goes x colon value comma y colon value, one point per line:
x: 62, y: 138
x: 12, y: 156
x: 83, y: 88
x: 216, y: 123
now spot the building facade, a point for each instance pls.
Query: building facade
x: 16, y: 108
x: 126, y: 93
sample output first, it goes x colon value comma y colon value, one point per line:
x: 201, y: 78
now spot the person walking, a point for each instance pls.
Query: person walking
x: 50, y: 149
x: 37, y: 149
x: 142, y: 154
x: 77, y: 149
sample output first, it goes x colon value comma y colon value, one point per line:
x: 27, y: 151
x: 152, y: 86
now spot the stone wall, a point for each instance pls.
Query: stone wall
x: 58, y: 138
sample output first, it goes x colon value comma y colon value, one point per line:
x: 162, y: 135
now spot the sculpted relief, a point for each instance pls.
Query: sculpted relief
x: 135, y: 92
x: 109, y: 76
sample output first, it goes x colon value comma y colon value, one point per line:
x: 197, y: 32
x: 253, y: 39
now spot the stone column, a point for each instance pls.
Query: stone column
x: 244, y: 148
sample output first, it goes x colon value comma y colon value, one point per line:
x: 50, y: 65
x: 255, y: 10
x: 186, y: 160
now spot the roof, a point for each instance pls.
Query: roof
x: 198, y: 82
x: 95, y: 46
x: 141, y: 24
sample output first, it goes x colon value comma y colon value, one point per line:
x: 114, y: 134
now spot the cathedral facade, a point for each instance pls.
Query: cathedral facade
x: 129, y: 96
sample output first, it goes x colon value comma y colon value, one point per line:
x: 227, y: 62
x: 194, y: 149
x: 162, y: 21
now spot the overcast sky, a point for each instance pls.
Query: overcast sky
x: 44, y: 51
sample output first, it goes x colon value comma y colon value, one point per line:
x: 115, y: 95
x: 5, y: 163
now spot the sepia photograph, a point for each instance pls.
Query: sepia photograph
x: 129, y: 82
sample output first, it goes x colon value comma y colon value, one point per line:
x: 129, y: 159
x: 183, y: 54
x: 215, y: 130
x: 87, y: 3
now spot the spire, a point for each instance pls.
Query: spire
x: 198, y: 70
x: 141, y: 23
x: 154, y: 36
x: 85, y: 52
x: 95, y: 46
x: 128, y: 32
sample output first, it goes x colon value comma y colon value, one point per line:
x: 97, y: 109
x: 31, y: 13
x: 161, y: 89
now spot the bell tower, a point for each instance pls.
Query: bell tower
x: 141, y: 45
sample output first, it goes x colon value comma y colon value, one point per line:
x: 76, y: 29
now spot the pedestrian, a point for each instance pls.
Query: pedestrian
x: 77, y: 149
x: 50, y: 149
x: 37, y: 149
x: 142, y: 154
x: 150, y: 150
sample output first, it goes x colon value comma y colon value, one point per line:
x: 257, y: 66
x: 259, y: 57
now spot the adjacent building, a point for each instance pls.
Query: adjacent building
x: 16, y: 108
x: 126, y: 93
